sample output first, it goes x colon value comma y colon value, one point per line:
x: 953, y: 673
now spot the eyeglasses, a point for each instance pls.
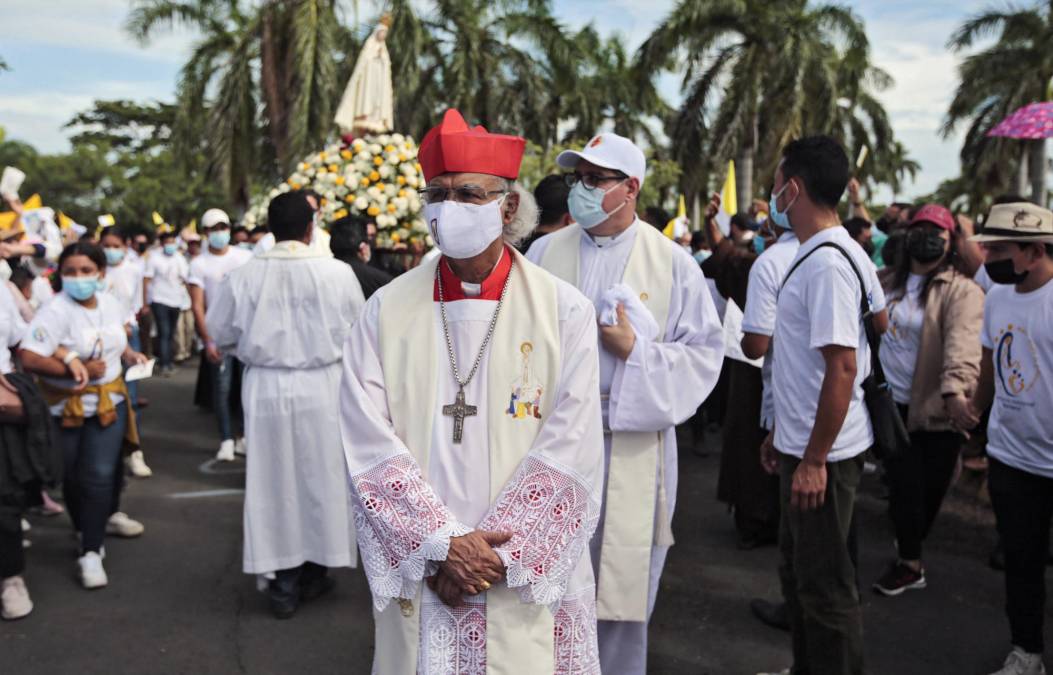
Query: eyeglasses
x: 592, y: 180
x: 465, y: 194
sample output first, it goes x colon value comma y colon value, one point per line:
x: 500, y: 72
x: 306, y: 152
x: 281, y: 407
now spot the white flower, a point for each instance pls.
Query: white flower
x: 390, y: 190
x: 398, y: 139
x: 384, y: 171
x: 376, y: 149
x: 361, y: 203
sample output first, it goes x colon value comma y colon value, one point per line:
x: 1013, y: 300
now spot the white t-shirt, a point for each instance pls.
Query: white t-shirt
x: 984, y: 279
x: 41, y: 292
x: 12, y: 328
x: 92, y: 333
x: 1018, y: 329
x: 168, y: 276
x: 818, y: 306
x: 125, y: 282
x: 762, y: 293
x: 208, y: 270
x: 902, y: 340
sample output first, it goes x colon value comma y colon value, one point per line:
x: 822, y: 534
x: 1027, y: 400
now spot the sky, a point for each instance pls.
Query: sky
x: 64, y: 54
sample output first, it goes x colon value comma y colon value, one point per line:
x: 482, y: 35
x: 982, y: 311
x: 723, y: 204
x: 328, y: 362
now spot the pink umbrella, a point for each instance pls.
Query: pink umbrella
x: 1032, y: 121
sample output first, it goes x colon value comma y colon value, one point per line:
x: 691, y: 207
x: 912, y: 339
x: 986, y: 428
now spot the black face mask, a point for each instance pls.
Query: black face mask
x: 141, y: 247
x: 1002, y: 272
x: 925, y: 247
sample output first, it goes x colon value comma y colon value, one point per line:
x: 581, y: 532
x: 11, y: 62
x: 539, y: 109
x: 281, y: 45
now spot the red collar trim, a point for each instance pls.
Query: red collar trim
x: 491, y: 287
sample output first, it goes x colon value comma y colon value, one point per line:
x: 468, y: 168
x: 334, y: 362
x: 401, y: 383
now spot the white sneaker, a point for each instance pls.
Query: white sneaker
x: 92, y: 574
x: 239, y: 446
x: 120, y: 525
x: 226, y: 452
x: 137, y: 465
x: 14, y: 597
x: 1020, y: 662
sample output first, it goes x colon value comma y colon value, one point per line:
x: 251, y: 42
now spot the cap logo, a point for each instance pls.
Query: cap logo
x: 1022, y: 220
x: 596, y: 141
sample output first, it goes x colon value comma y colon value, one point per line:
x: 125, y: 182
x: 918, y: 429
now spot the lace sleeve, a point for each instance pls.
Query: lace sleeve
x: 551, y: 513
x: 402, y: 526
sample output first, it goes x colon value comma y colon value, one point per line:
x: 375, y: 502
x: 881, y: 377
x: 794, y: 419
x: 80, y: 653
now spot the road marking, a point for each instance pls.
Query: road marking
x: 206, y: 493
x: 210, y: 467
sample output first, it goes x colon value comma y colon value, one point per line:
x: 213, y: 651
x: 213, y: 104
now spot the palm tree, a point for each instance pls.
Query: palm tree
x: 260, y: 83
x: 757, y: 74
x: 1012, y: 72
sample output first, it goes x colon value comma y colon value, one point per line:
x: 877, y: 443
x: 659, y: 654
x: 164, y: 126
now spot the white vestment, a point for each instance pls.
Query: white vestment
x: 661, y: 385
x: 411, y: 500
x: 285, y: 315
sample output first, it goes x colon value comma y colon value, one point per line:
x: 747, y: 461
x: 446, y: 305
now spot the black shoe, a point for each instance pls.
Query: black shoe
x: 899, y: 578
x: 284, y: 593
x: 771, y: 614
x: 317, y: 588
x: 284, y: 606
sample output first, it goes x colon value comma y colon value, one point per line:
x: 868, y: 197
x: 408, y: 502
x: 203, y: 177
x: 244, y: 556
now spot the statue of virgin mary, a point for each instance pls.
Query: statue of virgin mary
x: 367, y: 106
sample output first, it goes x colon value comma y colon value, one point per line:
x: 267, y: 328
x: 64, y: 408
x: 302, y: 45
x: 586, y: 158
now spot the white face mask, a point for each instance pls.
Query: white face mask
x: 464, y: 230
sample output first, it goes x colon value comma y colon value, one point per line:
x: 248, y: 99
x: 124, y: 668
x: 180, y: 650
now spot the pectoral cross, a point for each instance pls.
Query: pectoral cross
x: 458, y: 410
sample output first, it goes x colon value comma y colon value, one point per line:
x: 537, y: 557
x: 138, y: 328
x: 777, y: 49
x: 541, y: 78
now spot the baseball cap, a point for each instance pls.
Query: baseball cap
x: 610, y: 151
x: 214, y: 217
x: 935, y: 214
x: 1021, y: 222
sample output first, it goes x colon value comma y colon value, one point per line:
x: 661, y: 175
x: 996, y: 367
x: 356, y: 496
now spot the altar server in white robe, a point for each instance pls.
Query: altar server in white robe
x: 661, y: 350
x: 471, y: 420
x: 286, y: 315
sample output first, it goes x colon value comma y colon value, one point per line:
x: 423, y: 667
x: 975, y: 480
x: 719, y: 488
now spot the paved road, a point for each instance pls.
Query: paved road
x: 178, y: 603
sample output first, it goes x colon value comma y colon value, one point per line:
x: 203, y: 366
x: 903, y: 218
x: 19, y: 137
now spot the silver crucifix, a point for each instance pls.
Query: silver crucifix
x: 458, y: 410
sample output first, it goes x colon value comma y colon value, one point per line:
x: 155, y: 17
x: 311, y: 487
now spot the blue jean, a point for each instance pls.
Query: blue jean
x: 166, y: 318
x: 92, y: 456
x: 222, y: 376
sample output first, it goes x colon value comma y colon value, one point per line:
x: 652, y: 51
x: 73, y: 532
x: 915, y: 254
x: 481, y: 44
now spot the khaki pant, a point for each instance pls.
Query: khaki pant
x: 818, y: 576
x: 184, y: 336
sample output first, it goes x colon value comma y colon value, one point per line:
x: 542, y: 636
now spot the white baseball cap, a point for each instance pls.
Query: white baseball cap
x: 214, y: 217
x: 610, y: 151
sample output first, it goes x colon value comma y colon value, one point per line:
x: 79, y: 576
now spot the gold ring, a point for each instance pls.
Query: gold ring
x: 485, y: 584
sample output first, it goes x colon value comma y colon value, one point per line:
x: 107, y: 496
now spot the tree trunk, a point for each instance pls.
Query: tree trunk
x: 1037, y: 169
x: 272, y: 78
x: 1021, y: 174
x: 744, y: 166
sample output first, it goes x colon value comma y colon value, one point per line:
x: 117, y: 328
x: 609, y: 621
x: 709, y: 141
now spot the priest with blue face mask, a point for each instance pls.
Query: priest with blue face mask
x: 470, y: 415
x: 661, y: 347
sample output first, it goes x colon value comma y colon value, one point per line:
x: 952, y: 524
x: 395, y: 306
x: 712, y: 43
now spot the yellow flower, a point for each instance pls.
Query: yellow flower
x: 408, y: 145
x: 402, y: 180
x: 418, y: 167
x: 334, y: 168
x: 340, y: 180
x: 365, y: 182
x: 390, y: 148
x: 321, y: 156
x: 395, y: 237
x: 350, y: 199
x: 294, y: 186
x: 340, y: 214
x: 374, y: 176
x: 346, y: 154
x: 323, y: 201
x: 391, y: 208
x: 402, y: 193
x: 304, y: 166
x: 373, y: 211
x: 321, y: 171
x: 402, y: 157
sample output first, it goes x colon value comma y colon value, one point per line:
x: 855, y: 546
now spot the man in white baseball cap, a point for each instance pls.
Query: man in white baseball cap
x: 207, y: 272
x: 661, y: 349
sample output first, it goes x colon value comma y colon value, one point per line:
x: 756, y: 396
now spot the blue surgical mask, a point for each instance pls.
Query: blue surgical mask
x: 114, y: 256
x: 80, y: 288
x: 170, y: 249
x: 219, y: 239
x: 780, y: 218
x: 586, y: 206
x: 758, y: 244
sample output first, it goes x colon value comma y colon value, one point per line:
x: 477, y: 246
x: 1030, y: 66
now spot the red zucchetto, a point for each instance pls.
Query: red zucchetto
x: 453, y: 147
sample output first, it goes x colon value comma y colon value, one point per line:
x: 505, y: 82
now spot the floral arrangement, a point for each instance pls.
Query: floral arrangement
x: 375, y: 175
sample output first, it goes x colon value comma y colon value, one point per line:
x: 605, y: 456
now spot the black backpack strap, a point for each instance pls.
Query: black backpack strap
x: 873, y: 339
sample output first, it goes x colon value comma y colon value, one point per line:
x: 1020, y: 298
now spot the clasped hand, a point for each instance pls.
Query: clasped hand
x: 471, y: 566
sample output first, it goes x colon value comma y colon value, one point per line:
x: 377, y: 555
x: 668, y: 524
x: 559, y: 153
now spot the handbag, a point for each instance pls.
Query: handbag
x: 12, y: 410
x: 890, y: 433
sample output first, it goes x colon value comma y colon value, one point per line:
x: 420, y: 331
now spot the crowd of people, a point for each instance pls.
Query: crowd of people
x: 491, y: 425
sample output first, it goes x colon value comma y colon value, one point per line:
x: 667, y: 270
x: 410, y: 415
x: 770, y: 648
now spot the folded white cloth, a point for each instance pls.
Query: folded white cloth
x: 640, y: 317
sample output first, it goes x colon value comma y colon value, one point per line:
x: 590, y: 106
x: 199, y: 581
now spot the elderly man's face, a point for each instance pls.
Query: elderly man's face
x: 472, y: 188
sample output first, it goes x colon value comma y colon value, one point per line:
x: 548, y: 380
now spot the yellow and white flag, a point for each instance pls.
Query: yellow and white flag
x: 107, y: 220
x: 729, y: 205
x: 158, y: 220
x: 678, y: 226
